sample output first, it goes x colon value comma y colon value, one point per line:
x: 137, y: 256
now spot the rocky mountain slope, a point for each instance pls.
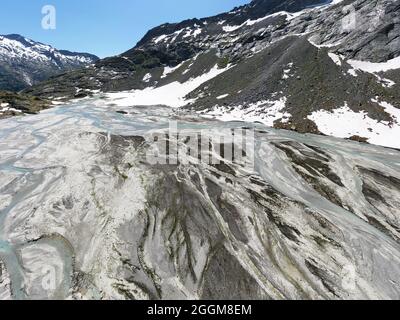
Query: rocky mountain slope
x: 297, y: 65
x: 24, y: 62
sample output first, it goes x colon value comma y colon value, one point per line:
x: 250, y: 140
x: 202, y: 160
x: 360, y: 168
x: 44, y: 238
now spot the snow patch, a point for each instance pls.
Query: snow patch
x: 231, y: 28
x: 191, y: 64
x: 289, y: 16
x: 160, y: 38
x: 5, y: 109
x: 320, y: 46
x: 345, y: 123
x: 387, y: 83
x: 286, y: 72
x: 223, y: 96
x: 335, y: 58
x: 147, y: 77
x: 265, y: 111
x: 172, y: 94
x: 169, y: 70
x: 373, y: 67
x: 352, y: 72
x: 197, y: 32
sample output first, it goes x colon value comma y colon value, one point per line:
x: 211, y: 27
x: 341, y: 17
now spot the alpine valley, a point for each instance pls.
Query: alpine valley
x: 309, y: 210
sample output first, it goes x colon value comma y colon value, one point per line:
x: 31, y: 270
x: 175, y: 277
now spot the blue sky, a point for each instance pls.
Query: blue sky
x: 102, y: 27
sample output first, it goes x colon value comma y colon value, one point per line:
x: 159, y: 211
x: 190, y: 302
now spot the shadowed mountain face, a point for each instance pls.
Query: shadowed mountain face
x: 24, y: 62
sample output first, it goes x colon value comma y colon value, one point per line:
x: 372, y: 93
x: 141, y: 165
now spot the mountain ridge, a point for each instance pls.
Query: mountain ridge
x: 24, y: 62
x: 253, y: 10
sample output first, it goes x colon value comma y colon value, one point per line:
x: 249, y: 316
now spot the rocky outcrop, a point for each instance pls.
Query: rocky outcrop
x: 17, y: 104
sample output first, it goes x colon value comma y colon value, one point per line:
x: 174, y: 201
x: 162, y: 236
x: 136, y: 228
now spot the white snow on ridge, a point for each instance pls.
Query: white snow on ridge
x: 289, y: 16
x: 172, y: 94
x: 173, y: 36
x: 345, y: 123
